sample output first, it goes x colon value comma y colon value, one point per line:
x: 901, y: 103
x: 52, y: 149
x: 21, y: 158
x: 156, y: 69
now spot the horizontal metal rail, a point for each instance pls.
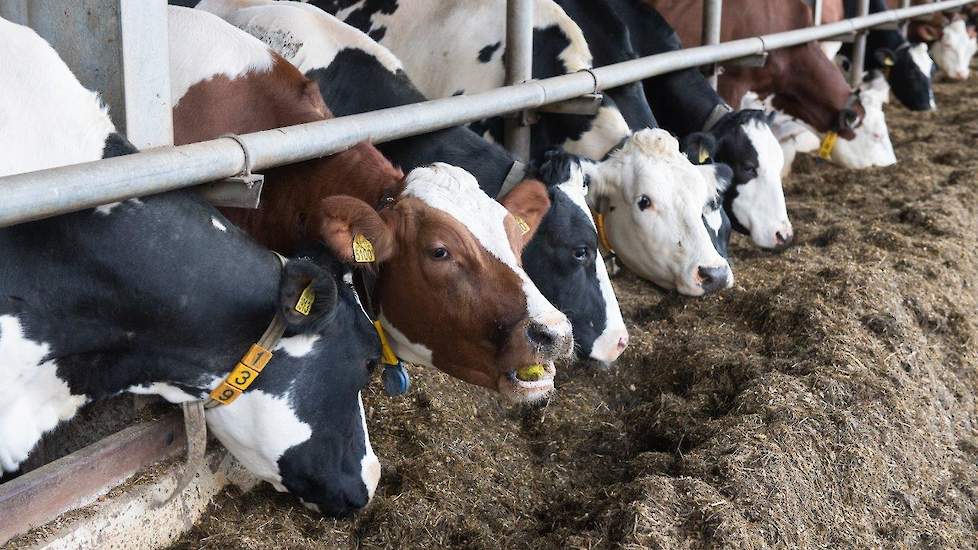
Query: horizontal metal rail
x: 45, y: 193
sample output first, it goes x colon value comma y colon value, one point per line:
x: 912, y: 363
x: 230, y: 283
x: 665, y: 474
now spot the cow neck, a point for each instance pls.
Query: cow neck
x: 251, y: 365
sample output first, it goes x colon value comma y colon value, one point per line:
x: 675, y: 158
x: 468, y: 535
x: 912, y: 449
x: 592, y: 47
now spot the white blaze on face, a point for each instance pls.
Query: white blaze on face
x: 759, y: 205
x: 258, y: 428
x: 871, y: 146
x: 666, y: 242
x: 369, y: 465
x: 456, y: 192
x: 33, y: 399
x: 609, y: 344
x: 954, y: 51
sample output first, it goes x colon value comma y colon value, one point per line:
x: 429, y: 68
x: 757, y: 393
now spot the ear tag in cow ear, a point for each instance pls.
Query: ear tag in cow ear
x: 396, y: 380
x: 306, y: 299
x: 825, y: 149
x: 524, y: 227
x: 889, y: 61
x: 704, y: 155
x: 363, y: 251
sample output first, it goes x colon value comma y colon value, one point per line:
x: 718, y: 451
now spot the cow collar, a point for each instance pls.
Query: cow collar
x: 719, y: 111
x: 250, y: 366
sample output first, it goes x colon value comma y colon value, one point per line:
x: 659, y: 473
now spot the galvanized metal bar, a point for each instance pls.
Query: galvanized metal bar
x: 712, y: 17
x: 817, y: 12
x: 859, y: 50
x: 14, y: 11
x: 45, y: 193
x: 905, y: 25
x: 120, y: 48
x: 519, y: 69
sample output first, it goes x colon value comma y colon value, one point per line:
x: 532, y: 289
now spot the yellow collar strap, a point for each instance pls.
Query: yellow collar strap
x: 386, y: 353
x: 251, y: 365
x: 828, y: 144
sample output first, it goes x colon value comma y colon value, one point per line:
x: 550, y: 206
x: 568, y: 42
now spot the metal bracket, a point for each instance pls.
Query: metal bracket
x: 240, y: 191
x: 585, y: 105
x: 751, y: 61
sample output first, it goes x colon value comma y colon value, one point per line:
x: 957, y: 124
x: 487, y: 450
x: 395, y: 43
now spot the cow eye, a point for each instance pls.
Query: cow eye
x: 581, y: 254
x: 750, y: 171
x: 644, y: 202
x: 440, y: 253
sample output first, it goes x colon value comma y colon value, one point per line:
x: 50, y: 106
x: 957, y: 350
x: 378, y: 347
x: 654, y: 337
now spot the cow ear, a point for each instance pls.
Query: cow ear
x: 885, y: 57
x: 528, y: 202
x: 700, y: 147
x: 555, y: 167
x: 306, y: 293
x: 354, y: 231
x: 312, y: 97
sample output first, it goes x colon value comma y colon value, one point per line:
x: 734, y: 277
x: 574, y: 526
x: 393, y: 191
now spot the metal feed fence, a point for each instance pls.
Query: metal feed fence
x: 41, y: 495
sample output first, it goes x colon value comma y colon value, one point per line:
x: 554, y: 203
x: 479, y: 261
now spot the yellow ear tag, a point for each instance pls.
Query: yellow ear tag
x: 704, y: 155
x: 363, y: 251
x: 306, y: 299
x: 524, y: 227
x: 828, y: 143
x: 889, y: 62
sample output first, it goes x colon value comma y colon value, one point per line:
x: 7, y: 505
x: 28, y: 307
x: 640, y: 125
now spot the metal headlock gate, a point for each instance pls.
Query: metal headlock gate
x: 39, y: 496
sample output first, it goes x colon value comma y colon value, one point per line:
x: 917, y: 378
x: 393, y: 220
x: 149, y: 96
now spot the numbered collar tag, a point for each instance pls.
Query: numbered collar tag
x: 524, y: 227
x: 704, y: 155
x: 363, y: 251
x: 396, y: 380
x: 306, y: 299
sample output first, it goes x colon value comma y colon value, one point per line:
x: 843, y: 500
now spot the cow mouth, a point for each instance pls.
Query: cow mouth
x: 528, y: 384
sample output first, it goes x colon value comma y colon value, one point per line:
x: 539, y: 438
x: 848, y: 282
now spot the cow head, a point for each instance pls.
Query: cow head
x: 453, y: 294
x: 564, y: 262
x: 755, y: 202
x: 911, y: 69
x: 301, y: 426
x: 954, y: 51
x: 871, y: 145
x: 653, y: 202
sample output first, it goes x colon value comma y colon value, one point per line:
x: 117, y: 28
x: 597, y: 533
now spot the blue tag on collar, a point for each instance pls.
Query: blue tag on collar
x: 396, y: 379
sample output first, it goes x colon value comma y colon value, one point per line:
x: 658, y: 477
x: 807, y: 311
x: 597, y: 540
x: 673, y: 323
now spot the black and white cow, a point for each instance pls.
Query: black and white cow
x: 161, y: 295
x: 685, y: 104
x: 344, y: 62
x: 908, y: 68
x: 462, y: 52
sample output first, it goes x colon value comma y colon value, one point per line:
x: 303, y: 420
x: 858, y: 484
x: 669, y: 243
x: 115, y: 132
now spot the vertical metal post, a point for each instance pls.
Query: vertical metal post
x: 14, y: 11
x: 906, y: 23
x: 859, y: 50
x: 120, y: 48
x: 817, y: 12
x: 519, y: 68
x: 712, y: 16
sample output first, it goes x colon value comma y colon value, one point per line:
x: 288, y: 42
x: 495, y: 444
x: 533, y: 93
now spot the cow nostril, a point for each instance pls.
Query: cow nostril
x: 779, y: 238
x: 713, y: 278
x: 539, y: 335
x: 622, y: 343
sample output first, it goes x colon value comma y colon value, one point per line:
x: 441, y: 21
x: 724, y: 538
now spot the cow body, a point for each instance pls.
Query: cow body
x: 470, y: 35
x: 162, y: 295
x: 450, y: 290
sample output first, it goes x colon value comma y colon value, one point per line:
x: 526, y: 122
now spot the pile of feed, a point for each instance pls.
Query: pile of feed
x: 828, y: 400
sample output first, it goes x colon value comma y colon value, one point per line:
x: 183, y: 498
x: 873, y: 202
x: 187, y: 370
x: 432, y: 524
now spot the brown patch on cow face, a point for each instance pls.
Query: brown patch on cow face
x: 444, y: 291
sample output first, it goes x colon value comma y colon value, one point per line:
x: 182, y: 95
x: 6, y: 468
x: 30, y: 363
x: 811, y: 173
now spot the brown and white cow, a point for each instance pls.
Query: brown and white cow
x: 450, y: 287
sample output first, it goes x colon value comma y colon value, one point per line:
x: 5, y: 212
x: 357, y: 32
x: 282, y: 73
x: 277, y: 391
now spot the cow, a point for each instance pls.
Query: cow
x: 453, y: 294
x: 686, y: 105
x: 162, y: 295
x: 471, y: 34
x: 804, y: 83
x: 953, y: 51
x: 908, y: 68
x: 343, y: 61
